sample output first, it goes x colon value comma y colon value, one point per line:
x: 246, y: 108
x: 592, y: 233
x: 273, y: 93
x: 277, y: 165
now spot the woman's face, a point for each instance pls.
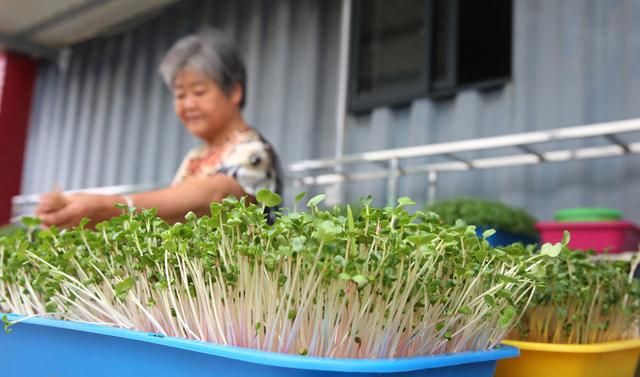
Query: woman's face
x: 202, y: 106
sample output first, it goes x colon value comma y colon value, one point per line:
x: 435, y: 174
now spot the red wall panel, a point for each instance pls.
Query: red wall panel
x: 17, y: 79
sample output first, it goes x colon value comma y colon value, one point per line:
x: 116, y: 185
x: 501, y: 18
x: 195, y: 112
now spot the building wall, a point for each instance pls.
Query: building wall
x: 103, y: 117
x: 575, y: 62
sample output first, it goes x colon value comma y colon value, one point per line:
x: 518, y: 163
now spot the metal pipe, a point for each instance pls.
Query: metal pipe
x: 483, y: 163
x: 392, y: 181
x: 504, y: 141
x: 433, y: 186
x: 341, y: 97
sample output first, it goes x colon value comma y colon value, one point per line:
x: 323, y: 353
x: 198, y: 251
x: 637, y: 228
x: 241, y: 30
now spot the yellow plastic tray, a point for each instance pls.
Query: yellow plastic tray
x: 612, y: 359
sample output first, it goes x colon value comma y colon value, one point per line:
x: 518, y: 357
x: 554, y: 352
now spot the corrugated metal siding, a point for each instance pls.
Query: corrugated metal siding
x: 575, y: 62
x: 107, y: 119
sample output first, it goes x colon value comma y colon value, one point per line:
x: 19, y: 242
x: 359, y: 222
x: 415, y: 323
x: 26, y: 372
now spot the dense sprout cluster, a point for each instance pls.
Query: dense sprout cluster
x: 385, y: 283
x: 583, y: 301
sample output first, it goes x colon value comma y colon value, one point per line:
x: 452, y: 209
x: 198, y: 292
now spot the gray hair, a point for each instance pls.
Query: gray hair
x: 210, y: 52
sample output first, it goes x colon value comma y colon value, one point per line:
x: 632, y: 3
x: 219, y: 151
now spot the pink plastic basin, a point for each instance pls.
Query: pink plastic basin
x: 612, y: 236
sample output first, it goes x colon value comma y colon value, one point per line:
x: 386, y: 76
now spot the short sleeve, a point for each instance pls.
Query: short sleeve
x: 253, y: 164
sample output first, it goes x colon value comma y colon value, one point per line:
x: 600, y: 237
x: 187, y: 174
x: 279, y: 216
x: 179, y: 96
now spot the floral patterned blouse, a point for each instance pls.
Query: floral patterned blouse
x: 246, y: 156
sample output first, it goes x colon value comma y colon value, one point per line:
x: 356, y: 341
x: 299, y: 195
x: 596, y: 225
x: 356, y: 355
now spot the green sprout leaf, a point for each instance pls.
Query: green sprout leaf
x: 488, y: 233
x: 551, y: 250
x: 170, y: 245
x: 566, y: 237
x: 83, y: 222
x: 31, y: 222
x: 366, y: 201
x: 328, y: 230
x: 51, y: 307
x: 405, y: 202
x: 361, y: 280
x: 268, y: 198
x: 124, y: 286
x: 7, y: 324
x: 297, y: 243
x: 539, y: 271
x: 313, y: 202
x: 350, y: 222
x: 299, y: 197
x: 190, y: 216
x: 506, y: 316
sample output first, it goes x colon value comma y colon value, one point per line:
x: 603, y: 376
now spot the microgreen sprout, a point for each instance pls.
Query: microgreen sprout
x: 384, y: 283
x: 583, y: 300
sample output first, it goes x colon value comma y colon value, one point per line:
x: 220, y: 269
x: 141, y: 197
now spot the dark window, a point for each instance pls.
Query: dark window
x: 479, y: 45
x: 389, y: 55
x: 405, y: 49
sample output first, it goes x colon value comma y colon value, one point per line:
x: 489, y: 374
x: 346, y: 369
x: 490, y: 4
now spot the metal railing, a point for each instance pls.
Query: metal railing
x: 305, y: 173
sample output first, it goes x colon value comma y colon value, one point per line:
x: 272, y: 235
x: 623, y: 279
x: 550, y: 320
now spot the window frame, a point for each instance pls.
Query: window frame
x: 426, y: 87
x: 398, y: 95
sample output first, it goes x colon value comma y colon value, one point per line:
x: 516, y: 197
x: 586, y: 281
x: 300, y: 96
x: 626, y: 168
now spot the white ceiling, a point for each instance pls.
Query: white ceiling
x: 41, y: 27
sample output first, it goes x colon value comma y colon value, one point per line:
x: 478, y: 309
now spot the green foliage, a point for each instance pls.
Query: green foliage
x: 490, y: 214
x: 6, y: 324
x: 30, y: 221
x: 313, y: 202
x: 379, y: 282
x: 583, y: 300
x: 268, y: 198
x: 7, y: 230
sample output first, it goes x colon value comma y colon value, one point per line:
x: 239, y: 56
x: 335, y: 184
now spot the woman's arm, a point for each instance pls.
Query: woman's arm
x: 195, y: 194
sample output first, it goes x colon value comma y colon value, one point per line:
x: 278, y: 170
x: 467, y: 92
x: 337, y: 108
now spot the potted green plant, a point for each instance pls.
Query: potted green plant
x: 511, y: 224
x: 583, y: 322
x: 316, y: 293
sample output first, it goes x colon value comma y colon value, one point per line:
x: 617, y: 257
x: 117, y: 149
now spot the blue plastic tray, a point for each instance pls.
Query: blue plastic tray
x: 45, y: 347
x: 502, y: 238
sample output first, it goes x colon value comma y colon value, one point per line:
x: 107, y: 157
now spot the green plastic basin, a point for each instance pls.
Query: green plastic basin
x: 587, y: 214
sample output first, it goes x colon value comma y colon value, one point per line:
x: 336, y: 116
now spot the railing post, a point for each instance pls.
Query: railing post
x: 337, y: 190
x: 432, y: 187
x: 392, y: 181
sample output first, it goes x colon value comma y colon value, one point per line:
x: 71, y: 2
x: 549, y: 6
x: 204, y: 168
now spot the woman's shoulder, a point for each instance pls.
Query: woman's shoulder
x: 247, y: 146
x: 250, y: 134
x: 250, y: 139
x: 252, y: 162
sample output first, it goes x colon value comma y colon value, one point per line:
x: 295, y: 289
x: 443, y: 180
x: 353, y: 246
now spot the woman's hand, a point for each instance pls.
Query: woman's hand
x: 195, y: 194
x: 67, y: 211
x: 51, y: 202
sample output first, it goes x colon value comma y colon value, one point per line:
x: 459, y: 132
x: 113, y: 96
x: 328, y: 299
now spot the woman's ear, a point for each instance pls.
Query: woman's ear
x: 236, y: 95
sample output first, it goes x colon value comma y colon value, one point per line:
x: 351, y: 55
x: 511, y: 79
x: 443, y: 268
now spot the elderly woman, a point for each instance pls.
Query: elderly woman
x: 208, y: 81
